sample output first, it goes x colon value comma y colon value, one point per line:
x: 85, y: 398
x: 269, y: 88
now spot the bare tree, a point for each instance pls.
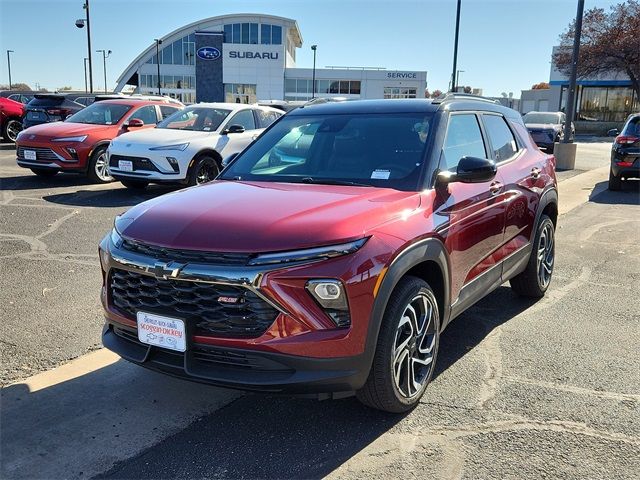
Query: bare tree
x: 609, y: 42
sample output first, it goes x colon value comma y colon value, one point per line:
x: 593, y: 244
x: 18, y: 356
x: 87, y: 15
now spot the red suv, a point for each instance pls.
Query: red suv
x: 79, y: 143
x: 336, y: 270
x: 11, y: 113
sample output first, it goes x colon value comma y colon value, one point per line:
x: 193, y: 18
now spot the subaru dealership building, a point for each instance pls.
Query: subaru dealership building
x: 249, y: 57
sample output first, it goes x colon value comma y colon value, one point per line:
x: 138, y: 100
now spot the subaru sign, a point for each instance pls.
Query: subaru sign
x: 208, y: 53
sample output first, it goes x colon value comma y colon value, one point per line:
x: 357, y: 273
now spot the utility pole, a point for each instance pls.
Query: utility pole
x: 313, y: 88
x: 9, y: 52
x: 158, y: 42
x: 455, y: 50
x: 105, y: 55
x: 571, y: 107
x: 81, y: 23
x: 86, y: 85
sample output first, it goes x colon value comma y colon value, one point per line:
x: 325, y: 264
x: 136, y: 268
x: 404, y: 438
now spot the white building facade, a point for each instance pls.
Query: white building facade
x: 249, y: 57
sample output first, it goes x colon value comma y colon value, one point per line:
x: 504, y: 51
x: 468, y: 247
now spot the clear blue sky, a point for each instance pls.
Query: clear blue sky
x: 505, y: 45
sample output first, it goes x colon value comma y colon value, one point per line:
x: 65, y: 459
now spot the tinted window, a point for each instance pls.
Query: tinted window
x: 202, y: 119
x: 385, y: 150
x: 244, y: 118
x: 146, y: 114
x: 502, y: 141
x: 167, y: 111
x: 100, y: 114
x: 266, y: 118
x: 632, y: 127
x: 463, y: 139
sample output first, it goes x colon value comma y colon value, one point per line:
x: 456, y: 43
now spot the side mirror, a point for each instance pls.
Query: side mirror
x: 470, y: 170
x: 614, y: 132
x: 233, y: 129
x: 227, y: 160
x: 134, y: 123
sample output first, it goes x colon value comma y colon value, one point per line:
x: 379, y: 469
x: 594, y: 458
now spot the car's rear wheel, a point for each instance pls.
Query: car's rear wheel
x: 615, y: 182
x: 134, y: 184
x: 44, y: 172
x: 11, y: 129
x: 535, y: 279
x: 98, y: 171
x: 204, y: 170
x: 406, y: 350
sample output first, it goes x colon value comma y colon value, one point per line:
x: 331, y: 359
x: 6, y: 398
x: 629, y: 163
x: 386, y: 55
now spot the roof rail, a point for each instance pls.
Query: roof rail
x: 449, y: 96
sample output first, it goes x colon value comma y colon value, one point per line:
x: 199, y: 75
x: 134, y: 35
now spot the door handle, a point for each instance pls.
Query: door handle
x: 535, y: 173
x: 253, y: 137
x: 495, y: 188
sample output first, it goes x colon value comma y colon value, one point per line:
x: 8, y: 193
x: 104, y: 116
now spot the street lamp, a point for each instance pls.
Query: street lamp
x: 9, y: 65
x: 105, y: 55
x: 455, y: 50
x: 86, y: 88
x: 313, y: 88
x: 80, y: 23
x: 158, y: 42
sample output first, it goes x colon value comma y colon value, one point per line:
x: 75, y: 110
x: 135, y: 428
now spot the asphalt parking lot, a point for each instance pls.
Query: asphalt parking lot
x: 547, y: 389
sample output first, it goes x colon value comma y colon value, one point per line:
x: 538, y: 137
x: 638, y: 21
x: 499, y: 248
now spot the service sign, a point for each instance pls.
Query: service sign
x: 208, y: 53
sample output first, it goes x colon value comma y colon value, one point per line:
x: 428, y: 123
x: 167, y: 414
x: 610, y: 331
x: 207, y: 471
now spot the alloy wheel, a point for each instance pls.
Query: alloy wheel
x: 101, y: 168
x: 414, y: 346
x: 14, y: 127
x: 546, y: 255
x: 206, y: 173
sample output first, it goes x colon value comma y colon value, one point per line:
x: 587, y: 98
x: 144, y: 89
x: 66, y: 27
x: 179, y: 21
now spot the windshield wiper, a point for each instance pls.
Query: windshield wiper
x: 329, y: 181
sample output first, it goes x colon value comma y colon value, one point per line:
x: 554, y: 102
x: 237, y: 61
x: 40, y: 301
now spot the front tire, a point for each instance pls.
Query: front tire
x: 134, y: 184
x: 11, y: 129
x: 98, y: 171
x: 615, y: 182
x: 44, y: 172
x: 406, y: 350
x: 535, y: 279
x: 204, y: 170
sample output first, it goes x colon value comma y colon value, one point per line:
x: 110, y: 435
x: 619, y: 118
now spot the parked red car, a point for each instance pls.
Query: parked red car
x: 79, y: 143
x: 11, y: 113
x: 336, y: 271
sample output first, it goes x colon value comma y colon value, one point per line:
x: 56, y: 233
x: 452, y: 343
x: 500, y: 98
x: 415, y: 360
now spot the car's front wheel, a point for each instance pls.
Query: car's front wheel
x: 98, y: 171
x: 406, y: 350
x: 535, y: 279
x: 615, y: 182
x: 11, y: 129
x: 204, y: 170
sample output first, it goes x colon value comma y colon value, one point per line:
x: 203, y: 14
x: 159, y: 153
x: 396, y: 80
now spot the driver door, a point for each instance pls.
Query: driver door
x: 236, y: 142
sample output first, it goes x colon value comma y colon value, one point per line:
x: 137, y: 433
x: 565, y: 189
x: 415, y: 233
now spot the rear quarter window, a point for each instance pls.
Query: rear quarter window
x: 503, y: 143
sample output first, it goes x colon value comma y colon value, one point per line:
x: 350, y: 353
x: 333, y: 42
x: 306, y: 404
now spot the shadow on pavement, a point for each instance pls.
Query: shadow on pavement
x: 30, y: 181
x: 628, y: 195
x: 117, y: 197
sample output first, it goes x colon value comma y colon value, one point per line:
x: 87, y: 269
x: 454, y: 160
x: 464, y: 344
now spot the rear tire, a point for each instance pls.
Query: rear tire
x: 10, y: 130
x: 406, y: 351
x: 134, y: 184
x: 98, y: 171
x: 204, y: 170
x: 615, y: 183
x: 44, y: 172
x: 535, y: 279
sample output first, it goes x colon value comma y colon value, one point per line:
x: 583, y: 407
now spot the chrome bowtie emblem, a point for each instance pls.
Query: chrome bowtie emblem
x: 166, y: 270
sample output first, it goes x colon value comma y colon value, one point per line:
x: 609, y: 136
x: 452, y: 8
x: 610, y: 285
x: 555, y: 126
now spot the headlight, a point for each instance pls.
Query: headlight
x: 80, y: 138
x: 178, y: 146
x: 309, y: 254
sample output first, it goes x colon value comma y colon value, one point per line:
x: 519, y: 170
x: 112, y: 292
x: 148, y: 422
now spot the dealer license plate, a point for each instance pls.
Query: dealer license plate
x: 29, y: 155
x: 125, y: 165
x: 160, y: 331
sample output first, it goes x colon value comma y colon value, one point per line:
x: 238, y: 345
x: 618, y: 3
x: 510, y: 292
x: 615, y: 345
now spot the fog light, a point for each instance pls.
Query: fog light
x: 331, y: 296
x: 73, y: 152
x: 174, y: 163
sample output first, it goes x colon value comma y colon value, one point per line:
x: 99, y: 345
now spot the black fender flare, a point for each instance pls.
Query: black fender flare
x: 430, y: 249
x: 549, y: 196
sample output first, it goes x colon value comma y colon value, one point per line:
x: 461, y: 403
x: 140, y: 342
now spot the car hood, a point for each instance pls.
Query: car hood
x: 227, y: 216
x: 543, y: 126
x: 161, y: 136
x: 65, y: 129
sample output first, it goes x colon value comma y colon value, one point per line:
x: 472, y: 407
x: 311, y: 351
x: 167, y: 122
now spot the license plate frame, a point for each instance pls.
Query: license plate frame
x: 30, y: 155
x: 125, y: 165
x: 162, y: 331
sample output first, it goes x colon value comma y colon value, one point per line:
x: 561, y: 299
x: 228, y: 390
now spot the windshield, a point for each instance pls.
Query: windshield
x: 382, y: 150
x: 100, y: 114
x: 200, y: 119
x: 536, y: 117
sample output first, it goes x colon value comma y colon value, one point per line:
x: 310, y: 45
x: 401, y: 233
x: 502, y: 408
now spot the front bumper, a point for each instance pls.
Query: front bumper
x: 53, y: 156
x: 240, y: 368
x: 150, y: 166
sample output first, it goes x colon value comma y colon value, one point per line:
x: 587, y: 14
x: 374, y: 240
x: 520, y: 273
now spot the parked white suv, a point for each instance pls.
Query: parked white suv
x: 187, y: 147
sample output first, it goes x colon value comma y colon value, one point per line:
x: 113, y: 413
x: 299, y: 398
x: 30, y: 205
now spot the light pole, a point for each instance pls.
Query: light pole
x: 571, y: 107
x: 158, y: 42
x: 105, y: 55
x: 313, y: 88
x: 80, y: 23
x: 86, y: 87
x: 455, y: 50
x: 458, y: 72
x: 9, y: 65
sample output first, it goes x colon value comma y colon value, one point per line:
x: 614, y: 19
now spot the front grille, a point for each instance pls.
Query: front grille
x: 139, y: 163
x: 195, y: 302
x: 42, y: 154
x: 186, y: 256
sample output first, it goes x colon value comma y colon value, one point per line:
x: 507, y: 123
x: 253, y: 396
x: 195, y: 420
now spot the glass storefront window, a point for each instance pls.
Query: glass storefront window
x: 240, y: 93
x: 276, y: 35
x: 265, y: 34
x: 395, y: 92
x: 601, y: 104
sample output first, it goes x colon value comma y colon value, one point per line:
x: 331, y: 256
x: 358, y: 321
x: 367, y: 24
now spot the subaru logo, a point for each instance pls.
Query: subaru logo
x: 209, y: 53
x: 163, y: 270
